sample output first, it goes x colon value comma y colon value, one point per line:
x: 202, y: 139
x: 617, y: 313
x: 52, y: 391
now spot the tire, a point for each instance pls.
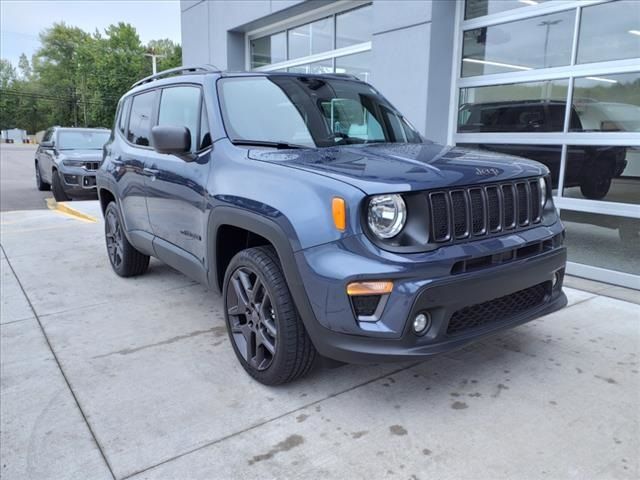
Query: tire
x: 267, y: 321
x: 125, y: 260
x: 58, y: 190
x: 41, y: 184
x: 596, y: 188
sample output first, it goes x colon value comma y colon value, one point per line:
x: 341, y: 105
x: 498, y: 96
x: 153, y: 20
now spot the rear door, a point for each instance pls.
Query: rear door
x: 131, y: 159
x: 176, y: 186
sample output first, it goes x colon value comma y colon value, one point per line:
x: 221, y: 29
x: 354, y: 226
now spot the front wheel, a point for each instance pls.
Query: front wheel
x: 125, y: 259
x: 596, y: 187
x: 40, y: 184
x: 57, y: 187
x: 266, y: 332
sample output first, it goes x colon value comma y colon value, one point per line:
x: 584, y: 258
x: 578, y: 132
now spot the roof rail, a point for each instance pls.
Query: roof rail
x: 206, y: 68
x: 344, y: 75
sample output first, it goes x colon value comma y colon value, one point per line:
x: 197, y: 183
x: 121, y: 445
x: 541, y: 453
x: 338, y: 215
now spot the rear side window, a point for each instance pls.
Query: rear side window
x: 124, y: 112
x: 180, y: 107
x: 139, y: 132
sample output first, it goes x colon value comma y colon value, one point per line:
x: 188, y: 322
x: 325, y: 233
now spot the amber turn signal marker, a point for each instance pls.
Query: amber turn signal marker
x: 369, y: 288
x: 339, y: 210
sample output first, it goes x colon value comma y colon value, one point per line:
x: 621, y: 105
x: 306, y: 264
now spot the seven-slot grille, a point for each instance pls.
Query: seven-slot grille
x: 461, y: 213
x: 91, y: 165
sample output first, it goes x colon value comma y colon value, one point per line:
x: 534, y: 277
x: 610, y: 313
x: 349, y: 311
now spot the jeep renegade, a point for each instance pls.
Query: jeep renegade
x: 330, y: 227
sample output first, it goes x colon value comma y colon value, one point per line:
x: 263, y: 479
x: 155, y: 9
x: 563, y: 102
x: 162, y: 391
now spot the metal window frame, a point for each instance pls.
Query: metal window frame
x: 330, y: 10
x: 563, y: 139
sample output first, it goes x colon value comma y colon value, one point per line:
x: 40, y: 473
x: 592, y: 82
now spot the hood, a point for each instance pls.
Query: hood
x: 387, y: 168
x: 86, y: 155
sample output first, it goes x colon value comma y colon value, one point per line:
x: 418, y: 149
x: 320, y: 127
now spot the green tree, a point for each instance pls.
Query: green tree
x: 8, y: 99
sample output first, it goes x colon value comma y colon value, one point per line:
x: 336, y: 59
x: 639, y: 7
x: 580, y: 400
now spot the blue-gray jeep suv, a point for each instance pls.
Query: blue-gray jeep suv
x: 328, y: 224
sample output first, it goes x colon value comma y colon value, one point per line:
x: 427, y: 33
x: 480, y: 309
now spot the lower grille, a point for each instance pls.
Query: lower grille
x: 365, y: 305
x: 497, y: 310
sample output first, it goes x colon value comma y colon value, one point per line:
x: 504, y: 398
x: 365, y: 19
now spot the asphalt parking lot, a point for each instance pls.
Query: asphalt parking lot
x: 104, y: 377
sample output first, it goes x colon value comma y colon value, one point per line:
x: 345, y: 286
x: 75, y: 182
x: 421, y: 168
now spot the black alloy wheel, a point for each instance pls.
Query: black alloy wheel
x: 113, y: 235
x: 125, y: 259
x: 252, y: 318
x: 266, y: 332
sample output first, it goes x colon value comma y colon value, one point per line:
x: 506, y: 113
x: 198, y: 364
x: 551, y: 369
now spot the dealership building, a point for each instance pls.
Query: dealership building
x: 553, y: 80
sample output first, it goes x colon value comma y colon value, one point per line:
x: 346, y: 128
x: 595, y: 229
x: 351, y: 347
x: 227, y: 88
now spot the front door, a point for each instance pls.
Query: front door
x: 176, y: 185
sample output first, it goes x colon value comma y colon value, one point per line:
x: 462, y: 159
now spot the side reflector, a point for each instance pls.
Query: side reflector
x: 369, y: 288
x: 339, y: 211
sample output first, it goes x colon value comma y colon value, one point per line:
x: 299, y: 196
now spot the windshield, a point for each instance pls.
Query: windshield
x: 309, y: 112
x: 82, y: 140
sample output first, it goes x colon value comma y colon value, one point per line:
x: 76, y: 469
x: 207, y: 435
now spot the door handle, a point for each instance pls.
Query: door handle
x: 152, y: 172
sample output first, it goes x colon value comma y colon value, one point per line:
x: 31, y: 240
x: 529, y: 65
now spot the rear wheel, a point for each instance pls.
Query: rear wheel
x: 266, y: 332
x: 125, y: 259
x: 40, y: 184
x: 57, y: 187
x: 596, y: 187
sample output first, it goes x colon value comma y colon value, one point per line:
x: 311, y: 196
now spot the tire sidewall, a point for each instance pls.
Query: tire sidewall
x: 271, y: 375
x: 113, y: 207
x: 58, y: 191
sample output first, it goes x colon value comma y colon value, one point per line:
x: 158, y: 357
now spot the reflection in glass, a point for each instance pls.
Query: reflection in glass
x: 269, y: 49
x: 479, y: 8
x: 358, y: 64
x: 604, y: 241
x: 610, y: 31
x: 325, y: 66
x: 549, y: 155
x: 515, y: 107
x: 607, y: 103
x: 315, y: 37
x: 609, y: 173
x: 537, y: 42
x: 354, y: 26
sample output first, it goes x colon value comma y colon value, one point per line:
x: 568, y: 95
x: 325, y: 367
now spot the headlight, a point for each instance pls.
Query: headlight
x: 387, y: 215
x: 73, y: 163
x: 543, y: 191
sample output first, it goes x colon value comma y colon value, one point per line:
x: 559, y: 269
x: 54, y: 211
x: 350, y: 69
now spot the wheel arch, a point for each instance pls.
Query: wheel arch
x: 273, y: 234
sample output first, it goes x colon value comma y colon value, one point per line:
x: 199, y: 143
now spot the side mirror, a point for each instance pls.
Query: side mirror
x: 170, y: 139
x: 46, y: 145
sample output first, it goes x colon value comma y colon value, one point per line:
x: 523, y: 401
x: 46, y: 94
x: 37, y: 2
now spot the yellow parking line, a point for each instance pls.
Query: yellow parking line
x: 65, y: 209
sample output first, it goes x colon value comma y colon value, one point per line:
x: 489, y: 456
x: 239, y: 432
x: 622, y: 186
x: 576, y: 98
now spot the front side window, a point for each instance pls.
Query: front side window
x: 516, y: 107
x: 180, y: 107
x: 310, y: 112
x: 82, y: 139
x: 139, y: 132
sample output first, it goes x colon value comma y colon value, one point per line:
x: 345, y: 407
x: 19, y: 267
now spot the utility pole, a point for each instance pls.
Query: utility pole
x: 154, y: 56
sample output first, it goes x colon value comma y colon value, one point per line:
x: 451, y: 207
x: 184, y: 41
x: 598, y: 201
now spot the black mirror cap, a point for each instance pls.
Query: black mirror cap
x: 171, y: 140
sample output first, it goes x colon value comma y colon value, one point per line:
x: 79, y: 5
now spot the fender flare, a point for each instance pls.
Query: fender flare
x: 269, y: 229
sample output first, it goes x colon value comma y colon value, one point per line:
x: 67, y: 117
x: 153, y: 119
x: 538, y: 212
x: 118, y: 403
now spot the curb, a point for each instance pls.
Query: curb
x: 65, y: 209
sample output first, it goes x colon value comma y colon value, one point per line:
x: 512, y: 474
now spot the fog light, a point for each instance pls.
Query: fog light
x: 421, y: 323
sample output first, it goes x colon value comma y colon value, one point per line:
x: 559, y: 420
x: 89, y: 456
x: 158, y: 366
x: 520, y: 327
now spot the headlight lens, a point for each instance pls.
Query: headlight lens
x: 543, y: 191
x: 387, y: 215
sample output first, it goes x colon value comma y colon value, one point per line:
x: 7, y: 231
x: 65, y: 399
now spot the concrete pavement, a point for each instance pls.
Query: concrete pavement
x: 17, y: 170
x: 104, y: 377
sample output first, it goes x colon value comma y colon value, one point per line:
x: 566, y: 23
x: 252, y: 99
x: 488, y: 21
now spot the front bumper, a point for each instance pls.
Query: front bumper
x: 422, y: 283
x: 78, y: 181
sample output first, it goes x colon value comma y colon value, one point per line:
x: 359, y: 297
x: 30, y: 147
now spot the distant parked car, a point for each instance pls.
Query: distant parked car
x: 67, y: 159
x: 590, y: 167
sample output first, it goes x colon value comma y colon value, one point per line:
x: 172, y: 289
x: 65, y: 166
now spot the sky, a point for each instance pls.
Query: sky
x: 21, y: 21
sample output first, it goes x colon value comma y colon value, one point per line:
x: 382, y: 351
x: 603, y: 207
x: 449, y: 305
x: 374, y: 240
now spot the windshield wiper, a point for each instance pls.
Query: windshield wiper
x: 264, y: 143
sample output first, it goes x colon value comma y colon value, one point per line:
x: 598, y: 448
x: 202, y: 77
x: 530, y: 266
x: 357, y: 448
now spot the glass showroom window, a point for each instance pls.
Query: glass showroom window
x: 558, y: 82
x: 337, y: 43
